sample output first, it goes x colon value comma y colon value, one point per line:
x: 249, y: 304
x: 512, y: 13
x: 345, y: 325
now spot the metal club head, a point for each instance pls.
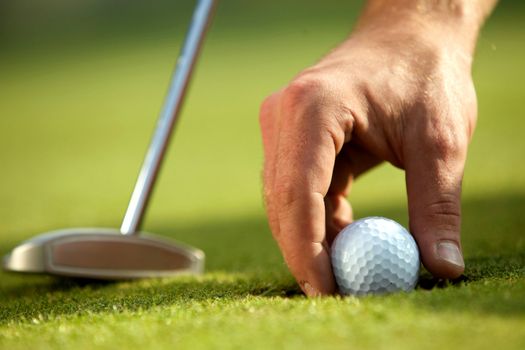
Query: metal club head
x: 126, y: 253
x: 105, y: 254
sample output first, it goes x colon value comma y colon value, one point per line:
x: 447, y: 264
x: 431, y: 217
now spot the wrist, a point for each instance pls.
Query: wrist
x: 450, y: 22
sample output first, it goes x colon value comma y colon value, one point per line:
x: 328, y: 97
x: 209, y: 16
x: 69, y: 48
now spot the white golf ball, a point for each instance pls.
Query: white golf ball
x: 375, y: 255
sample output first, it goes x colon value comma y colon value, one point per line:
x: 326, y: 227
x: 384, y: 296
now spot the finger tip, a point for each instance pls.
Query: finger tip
x: 445, y: 260
x: 446, y: 270
x: 309, y: 291
x: 313, y: 291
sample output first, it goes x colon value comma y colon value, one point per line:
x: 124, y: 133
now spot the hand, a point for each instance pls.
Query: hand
x: 398, y: 90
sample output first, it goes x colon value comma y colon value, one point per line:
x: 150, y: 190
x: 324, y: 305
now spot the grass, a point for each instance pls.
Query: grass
x: 74, y: 125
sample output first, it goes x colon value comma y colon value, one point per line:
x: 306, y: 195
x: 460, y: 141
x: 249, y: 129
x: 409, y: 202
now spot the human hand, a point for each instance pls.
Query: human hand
x: 398, y: 90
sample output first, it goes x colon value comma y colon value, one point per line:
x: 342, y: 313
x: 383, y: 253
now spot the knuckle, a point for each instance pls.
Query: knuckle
x: 303, y: 90
x: 285, y: 192
x: 448, y: 143
x: 445, y: 212
x: 310, y: 102
x: 445, y: 207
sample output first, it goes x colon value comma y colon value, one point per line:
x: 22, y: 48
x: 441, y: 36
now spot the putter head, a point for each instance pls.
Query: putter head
x: 105, y: 254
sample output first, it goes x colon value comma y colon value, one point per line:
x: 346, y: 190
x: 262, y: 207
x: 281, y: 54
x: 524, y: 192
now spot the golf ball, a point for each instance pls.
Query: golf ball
x: 375, y: 255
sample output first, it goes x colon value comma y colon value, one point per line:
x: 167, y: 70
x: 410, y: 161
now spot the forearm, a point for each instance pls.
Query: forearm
x: 459, y: 19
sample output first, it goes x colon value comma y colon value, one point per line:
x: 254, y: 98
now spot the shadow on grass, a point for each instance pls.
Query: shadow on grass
x: 52, y: 297
x: 243, y: 261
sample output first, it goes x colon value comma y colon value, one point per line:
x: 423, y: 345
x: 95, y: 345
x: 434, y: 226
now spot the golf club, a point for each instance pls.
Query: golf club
x: 101, y: 253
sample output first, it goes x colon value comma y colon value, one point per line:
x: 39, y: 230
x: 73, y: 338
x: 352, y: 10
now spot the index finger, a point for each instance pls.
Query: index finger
x: 309, y: 140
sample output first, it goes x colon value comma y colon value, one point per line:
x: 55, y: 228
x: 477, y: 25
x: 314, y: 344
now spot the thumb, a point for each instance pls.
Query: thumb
x: 434, y: 173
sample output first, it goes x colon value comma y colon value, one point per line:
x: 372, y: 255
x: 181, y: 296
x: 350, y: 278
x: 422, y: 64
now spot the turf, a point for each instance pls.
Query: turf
x: 75, y: 121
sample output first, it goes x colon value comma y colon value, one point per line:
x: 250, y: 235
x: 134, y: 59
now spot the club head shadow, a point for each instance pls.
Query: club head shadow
x: 103, y: 254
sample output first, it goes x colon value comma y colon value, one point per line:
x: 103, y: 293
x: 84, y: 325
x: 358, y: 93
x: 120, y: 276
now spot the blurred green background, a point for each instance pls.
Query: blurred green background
x: 81, y: 84
x: 84, y: 86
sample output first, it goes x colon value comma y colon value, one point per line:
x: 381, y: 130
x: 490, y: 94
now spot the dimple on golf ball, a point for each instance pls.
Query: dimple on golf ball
x: 375, y: 255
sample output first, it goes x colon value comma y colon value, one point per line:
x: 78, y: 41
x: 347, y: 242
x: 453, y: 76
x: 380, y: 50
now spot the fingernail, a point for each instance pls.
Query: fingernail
x: 309, y: 290
x: 449, y: 251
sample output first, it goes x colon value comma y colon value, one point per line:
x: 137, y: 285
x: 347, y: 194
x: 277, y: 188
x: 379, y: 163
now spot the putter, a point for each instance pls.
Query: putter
x: 111, y: 254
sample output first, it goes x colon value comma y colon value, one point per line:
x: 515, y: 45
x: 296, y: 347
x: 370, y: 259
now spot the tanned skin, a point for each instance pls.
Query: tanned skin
x: 399, y: 90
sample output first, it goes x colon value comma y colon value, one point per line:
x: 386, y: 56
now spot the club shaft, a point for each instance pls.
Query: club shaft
x: 168, y: 118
